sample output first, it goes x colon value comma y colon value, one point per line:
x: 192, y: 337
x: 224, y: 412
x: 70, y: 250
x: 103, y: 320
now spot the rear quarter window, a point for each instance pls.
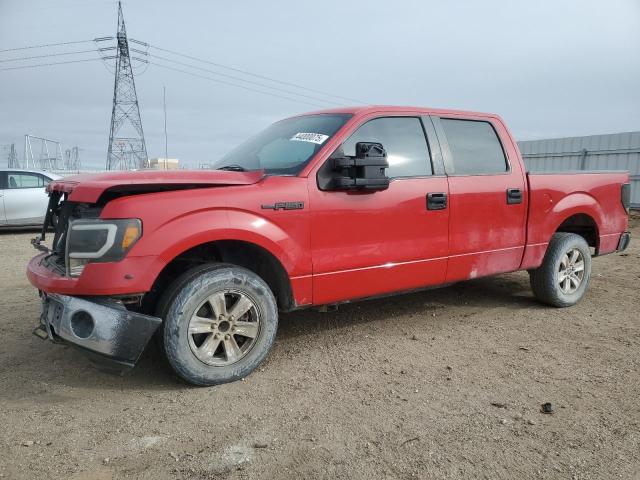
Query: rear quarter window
x: 475, y: 147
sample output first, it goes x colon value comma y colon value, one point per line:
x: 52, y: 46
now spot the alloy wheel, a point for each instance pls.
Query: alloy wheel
x: 224, y: 328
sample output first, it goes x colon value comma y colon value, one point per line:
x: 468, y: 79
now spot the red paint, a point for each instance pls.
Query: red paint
x: 367, y: 244
x: 346, y: 245
x: 89, y: 187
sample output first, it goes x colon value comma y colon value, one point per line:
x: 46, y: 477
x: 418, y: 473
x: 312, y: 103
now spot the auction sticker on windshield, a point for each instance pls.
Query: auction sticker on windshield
x: 317, y: 138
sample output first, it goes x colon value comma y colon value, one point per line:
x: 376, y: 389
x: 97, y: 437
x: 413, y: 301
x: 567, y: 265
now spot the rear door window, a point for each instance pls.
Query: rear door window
x: 475, y: 147
x: 24, y: 180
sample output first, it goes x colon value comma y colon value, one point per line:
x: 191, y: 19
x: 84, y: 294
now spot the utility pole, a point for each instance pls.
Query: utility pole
x: 164, y: 104
x: 127, y: 149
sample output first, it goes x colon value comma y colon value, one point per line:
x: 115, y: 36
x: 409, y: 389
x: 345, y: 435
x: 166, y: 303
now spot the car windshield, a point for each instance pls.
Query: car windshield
x: 285, y: 147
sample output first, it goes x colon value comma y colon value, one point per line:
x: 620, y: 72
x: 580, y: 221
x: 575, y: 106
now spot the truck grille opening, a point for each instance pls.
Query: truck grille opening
x: 61, y: 213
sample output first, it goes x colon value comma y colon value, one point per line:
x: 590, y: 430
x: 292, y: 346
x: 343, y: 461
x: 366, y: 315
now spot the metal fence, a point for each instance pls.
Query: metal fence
x: 617, y: 151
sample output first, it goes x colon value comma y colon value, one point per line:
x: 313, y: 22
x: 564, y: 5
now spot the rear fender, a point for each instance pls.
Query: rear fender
x: 543, y: 224
x: 574, y: 204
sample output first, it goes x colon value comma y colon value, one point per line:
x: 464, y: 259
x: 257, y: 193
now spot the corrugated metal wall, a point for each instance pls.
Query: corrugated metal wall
x: 618, y: 151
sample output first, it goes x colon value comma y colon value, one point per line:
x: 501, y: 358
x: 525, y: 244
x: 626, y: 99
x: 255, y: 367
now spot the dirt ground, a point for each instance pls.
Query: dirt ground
x: 445, y: 383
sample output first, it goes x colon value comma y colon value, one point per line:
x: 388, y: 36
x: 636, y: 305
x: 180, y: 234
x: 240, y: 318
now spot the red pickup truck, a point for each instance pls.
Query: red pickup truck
x: 317, y: 209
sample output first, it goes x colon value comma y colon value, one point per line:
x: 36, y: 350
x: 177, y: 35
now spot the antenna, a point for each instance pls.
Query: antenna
x: 127, y: 149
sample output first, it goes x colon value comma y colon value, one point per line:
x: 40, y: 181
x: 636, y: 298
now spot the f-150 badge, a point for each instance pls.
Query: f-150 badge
x: 283, y: 206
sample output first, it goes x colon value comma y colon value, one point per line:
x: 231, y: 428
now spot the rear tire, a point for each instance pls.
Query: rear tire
x: 220, y: 322
x: 563, y: 277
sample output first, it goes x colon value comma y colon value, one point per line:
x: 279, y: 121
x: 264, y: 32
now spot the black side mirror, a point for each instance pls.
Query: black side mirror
x: 365, y: 171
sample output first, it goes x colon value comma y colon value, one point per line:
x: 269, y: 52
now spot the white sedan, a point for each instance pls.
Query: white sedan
x: 23, y: 200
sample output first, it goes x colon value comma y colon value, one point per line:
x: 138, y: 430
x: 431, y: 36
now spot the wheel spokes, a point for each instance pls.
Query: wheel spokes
x: 571, y: 271
x: 575, y: 280
x: 200, y: 325
x: 574, y: 256
x: 231, y: 349
x: 246, y: 329
x: 218, y: 304
x: 242, y: 306
x: 224, y: 328
x: 209, y: 347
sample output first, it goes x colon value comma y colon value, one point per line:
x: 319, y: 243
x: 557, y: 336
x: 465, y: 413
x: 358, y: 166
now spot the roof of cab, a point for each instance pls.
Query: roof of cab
x: 367, y: 109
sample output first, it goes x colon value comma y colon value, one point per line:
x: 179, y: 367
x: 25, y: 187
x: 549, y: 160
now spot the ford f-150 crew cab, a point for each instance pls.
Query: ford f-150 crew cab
x: 317, y: 209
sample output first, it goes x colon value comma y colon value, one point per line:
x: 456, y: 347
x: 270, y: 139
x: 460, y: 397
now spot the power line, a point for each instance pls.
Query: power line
x: 45, y: 45
x: 290, y: 92
x: 219, y: 65
x: 49, y: 64
x: 236, y: 85
x: 245, y: 72
x: 47, y: 55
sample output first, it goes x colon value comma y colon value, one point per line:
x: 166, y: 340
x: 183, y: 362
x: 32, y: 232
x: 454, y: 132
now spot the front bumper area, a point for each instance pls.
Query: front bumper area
x: 131, y: 275
x: 113, y: 336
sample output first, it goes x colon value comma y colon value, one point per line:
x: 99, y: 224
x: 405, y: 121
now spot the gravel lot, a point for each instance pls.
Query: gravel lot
x: 443, y: 383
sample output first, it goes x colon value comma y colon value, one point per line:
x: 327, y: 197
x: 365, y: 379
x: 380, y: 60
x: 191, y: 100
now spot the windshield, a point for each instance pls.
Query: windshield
x: 286, y: 146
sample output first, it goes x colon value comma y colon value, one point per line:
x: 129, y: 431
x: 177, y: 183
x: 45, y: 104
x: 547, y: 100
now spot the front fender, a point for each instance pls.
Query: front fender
x: 204, y: 226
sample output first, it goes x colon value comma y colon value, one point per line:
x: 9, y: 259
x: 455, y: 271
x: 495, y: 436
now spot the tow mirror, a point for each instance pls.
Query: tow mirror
x: 365, y: 171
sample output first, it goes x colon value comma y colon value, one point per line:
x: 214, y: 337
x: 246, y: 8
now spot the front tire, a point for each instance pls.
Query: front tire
x: 220, y: 322
x: 563, y: 277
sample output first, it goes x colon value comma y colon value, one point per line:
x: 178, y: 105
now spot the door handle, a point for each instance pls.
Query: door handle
x: 436, y: 201
x: 514, y: 195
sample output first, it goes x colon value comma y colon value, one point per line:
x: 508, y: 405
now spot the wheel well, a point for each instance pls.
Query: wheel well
x: 244, y: 254
x: 583, y: 225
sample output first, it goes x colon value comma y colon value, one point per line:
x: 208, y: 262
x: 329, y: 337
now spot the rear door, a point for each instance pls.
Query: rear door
x: 370, y: 243
x: 25, y: 199
x: 488, y: 198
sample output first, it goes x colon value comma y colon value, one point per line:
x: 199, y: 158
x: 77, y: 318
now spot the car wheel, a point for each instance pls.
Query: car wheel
x: 563, y: 277
x: 220, y: 322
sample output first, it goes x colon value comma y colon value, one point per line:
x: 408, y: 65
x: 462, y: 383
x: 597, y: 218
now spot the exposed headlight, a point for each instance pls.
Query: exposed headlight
x: 94, y: 240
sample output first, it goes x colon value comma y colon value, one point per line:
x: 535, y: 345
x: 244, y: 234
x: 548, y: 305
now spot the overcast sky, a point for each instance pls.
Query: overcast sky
x: 550, y: 68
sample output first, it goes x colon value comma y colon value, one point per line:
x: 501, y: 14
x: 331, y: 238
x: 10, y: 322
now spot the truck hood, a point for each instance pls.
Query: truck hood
x: 89, y: 188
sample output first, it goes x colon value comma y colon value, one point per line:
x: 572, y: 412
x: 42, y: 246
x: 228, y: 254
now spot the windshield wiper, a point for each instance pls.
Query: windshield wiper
x: 233, y: 168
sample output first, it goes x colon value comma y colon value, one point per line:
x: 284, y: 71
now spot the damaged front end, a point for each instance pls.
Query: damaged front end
x: 112, y: 335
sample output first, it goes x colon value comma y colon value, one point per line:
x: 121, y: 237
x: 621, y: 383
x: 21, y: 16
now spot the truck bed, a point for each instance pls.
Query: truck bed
x: 555, y: 196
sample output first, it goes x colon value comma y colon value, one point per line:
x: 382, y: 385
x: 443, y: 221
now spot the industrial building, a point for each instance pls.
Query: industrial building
x: 164, y: 163
x: 617, y: 151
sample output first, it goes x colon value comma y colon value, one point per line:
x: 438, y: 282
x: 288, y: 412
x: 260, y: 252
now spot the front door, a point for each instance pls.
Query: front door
x: 488, y: 198
x: 371, y: 243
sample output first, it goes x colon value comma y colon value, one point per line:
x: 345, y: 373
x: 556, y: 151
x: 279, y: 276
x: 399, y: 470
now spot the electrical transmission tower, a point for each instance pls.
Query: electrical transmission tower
x: 72, y: 159
x: 127, y: 149
x: 12, y: 156
x: 48, y: 158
